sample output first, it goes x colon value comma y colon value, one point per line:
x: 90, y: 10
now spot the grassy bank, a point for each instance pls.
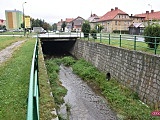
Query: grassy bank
x: 6, y: 41
x: 14, y: 79
x: 47, y: 104
x: 128, y: 44
x: 121, y: 99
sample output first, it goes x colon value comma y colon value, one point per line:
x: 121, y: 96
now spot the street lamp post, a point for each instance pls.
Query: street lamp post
x: 23, y: 18
x: 151, y: 10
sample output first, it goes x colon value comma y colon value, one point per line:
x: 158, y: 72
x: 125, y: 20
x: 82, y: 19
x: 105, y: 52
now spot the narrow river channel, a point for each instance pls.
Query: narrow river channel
x: 84, y: 103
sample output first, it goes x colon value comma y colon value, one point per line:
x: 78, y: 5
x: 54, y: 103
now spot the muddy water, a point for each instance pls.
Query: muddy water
x: 84, y: 103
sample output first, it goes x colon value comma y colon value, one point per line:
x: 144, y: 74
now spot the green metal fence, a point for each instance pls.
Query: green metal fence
x: 132, y: 42
x: 33, y: 95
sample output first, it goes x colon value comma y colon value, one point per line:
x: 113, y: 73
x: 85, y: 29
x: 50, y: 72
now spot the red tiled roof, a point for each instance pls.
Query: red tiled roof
x: 69, y: 20
x: 151, y: 15
x: 112, y: 14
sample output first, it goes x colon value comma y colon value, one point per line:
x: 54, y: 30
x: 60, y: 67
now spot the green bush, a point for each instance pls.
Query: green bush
x: 152, y: 31
x: 121, y: 31
x: 68, y: 61
x: 94, y: 33
x: 86, y: 29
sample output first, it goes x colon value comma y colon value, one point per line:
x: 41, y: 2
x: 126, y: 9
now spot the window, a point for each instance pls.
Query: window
x: 115, y: 22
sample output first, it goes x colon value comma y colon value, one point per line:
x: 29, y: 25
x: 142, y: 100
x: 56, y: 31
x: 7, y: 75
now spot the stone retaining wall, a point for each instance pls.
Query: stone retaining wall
x: 139, y: 71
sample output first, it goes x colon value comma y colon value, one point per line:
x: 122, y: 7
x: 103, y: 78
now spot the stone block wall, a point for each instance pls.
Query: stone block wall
x: 137, y: 70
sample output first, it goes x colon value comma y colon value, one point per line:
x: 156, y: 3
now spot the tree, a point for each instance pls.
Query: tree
x: 99, y: 27
x: 63, y: 26
x: 45, y: 26
x: 86, y: 28
x: 2, y: 27
x: 54, y: 26
x: 151, y: 32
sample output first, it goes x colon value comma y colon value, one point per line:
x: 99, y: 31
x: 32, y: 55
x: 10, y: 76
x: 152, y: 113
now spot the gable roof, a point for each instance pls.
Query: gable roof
x: 112, y: 14
x: 136, y: 25
x: 150, y: 15
x: 68, y: 20
x: 93, y: 18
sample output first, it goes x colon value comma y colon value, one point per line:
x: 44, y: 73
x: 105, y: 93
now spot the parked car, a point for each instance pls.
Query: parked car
x: 2, y: 31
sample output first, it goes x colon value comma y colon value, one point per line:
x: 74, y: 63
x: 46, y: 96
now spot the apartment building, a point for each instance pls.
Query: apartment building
x: 14, y: 19
x: 115, y: 19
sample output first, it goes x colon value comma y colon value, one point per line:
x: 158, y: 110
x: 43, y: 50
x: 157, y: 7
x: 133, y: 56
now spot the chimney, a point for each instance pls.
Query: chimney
x: 147, y: 12
x: 61, y: 20
x: 112, y: 9
x: 131, y: 15
x: 152, y: 11
x: 116, y: 8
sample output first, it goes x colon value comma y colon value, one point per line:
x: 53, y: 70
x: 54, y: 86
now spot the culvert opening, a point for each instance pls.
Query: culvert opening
x: 108, y: 76
x: 57, y: 48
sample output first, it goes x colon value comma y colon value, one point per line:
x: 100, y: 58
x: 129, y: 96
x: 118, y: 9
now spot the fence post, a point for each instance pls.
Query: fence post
x: 100, y: 37
x: 134, y: 42
x: 120, y: 41
x: 155, y: 46
x: 88, y: 36
x: 109, y: 39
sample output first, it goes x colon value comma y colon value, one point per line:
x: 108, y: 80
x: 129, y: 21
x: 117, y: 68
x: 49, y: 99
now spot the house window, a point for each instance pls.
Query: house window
x: 115, y: 22
x: 119, y: 16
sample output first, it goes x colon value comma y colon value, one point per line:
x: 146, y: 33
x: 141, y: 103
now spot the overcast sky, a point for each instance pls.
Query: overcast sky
x: 54, y: 10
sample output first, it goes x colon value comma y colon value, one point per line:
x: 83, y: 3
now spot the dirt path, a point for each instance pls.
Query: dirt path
x: 6, y: 53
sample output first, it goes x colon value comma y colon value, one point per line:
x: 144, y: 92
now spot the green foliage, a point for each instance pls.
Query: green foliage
x: 68, y: 61
x: 121, y: 31
x: 14, y: 81
x: 122, y: 99
x: 58, y: 90
x: 54, y: 26
x: 2, y: 27
x: 94, y: 33
x: 99, y: 28
x: 151, y: 32
x: 40, y: 23
x: 63, y: 26
x: 86, y: 28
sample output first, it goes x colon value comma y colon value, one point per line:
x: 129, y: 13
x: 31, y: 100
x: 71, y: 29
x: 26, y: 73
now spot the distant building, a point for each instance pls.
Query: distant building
x: 136, y: 29
x: 71, y: 24
x: 2, y: 22
x: 59, y: 24
x: 115, y: 19
x: 93, y: 20
x: 14, y: 19
x: 77, y: 23
x: 150, y: 16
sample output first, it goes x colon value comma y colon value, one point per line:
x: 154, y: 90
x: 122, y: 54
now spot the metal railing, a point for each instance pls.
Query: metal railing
x: 132, y: 42
x: 34, y: 93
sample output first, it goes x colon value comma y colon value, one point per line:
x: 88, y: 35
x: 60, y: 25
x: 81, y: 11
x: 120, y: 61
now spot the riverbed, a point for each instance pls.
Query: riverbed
x: 83, y: 103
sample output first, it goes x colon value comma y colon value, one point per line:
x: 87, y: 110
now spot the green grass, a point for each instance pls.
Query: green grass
x: 127, y: 44
x: 46, y: 101
x: 12, y: 33
x: 58, y: 90
x: 6, y: 41
x: 122, y: 100
x: 14, y: 80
